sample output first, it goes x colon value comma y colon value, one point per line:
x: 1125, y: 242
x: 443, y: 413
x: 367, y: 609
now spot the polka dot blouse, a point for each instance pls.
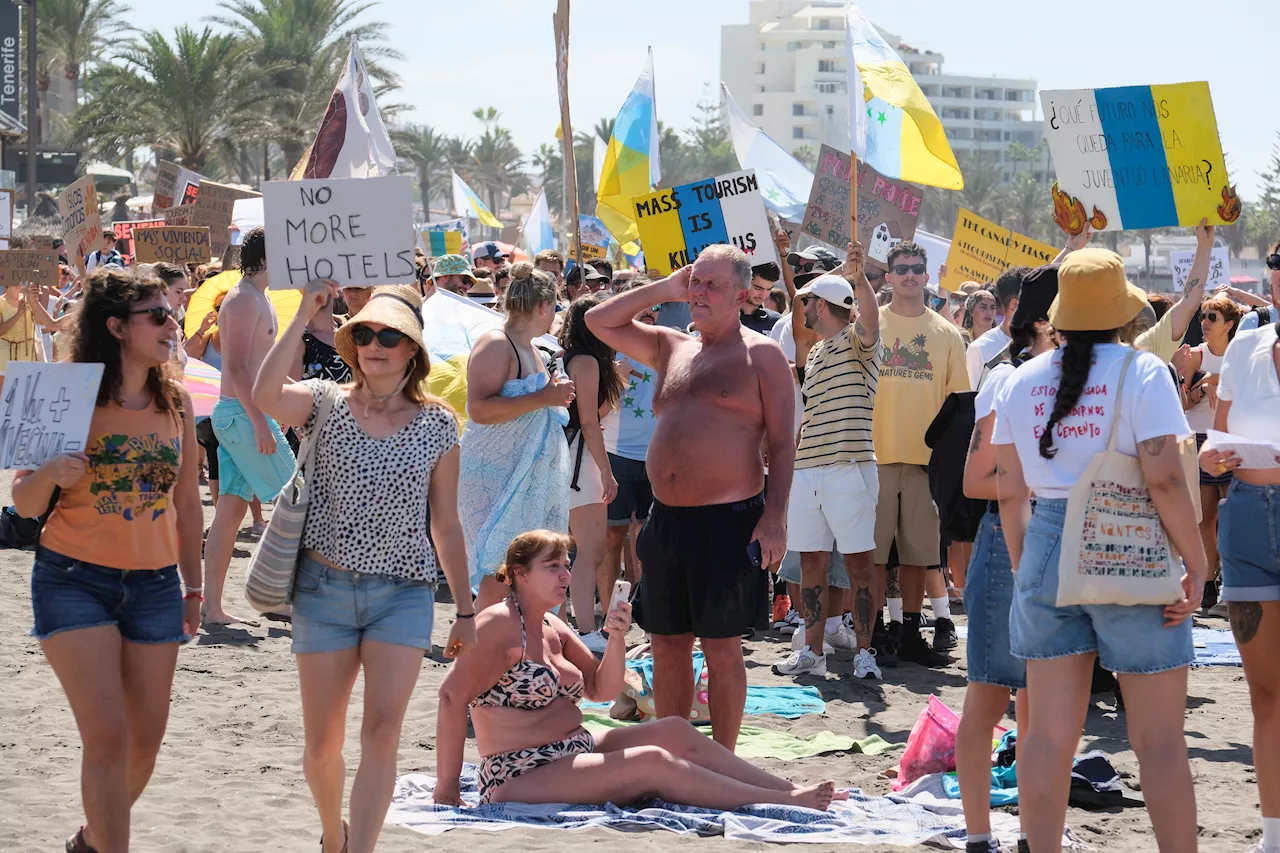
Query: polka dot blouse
x: 368, y: 509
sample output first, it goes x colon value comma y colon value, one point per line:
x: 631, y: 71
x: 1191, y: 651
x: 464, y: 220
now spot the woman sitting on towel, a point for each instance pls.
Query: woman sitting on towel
x: 522, y: 682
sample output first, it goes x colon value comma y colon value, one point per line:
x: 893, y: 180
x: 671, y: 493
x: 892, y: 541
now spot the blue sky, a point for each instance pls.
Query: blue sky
x: 500, y: 53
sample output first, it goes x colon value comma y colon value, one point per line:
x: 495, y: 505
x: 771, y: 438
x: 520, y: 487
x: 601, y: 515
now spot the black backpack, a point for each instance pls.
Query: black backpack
x: 19, y: 532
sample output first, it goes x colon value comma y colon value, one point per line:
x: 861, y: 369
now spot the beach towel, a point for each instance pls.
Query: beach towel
x: 1214, y: 646
x: 861, y: 820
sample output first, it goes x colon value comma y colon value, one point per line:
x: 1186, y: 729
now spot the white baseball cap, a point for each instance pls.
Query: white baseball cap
x: 832, y: 288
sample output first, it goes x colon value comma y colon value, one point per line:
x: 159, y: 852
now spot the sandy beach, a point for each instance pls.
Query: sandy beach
x: 229, y: 774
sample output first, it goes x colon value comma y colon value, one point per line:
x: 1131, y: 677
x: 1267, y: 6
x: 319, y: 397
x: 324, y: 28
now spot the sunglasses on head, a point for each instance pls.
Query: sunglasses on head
x: 159, y: 314
x: 387, y: 338
x: 903, y: 269
x: 1273, y: 261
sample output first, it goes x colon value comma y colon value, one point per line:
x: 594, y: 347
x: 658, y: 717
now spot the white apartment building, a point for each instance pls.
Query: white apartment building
x: 787, y: 70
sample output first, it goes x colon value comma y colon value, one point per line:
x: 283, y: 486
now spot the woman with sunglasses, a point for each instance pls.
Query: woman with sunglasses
x: 386, y: 464
x: 105, y: 589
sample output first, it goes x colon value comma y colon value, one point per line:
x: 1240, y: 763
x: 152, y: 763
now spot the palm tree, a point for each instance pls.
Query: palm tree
x: 73, y: 33
x: 496, y: 159
x: 982, y: 181
x: 185, y: 95
x: 1023, y: 201
x: 550, y: 164
x: 429, y: 153
x: 305, y: 42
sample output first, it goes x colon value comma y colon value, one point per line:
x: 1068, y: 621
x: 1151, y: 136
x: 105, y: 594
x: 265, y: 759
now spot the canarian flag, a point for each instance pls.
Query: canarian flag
x: 598, y: 155
x: 467, y: 203
x: 538, y: 233
x: 352, y: 141
x: 631, y: 164
x: 892, y: 126
x: 784, y: 182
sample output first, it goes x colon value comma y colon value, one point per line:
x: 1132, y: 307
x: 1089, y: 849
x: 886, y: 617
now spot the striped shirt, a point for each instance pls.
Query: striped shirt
x: 839, y: 395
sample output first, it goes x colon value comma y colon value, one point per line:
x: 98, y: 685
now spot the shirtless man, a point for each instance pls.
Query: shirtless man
x: 254, y: 460
x: 722, y: 397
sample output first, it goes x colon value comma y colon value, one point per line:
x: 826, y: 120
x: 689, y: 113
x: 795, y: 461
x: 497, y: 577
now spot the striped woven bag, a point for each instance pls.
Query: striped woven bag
x: 275, y: 561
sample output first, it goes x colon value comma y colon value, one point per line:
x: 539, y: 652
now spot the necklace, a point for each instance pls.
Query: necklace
x: 374, y: 398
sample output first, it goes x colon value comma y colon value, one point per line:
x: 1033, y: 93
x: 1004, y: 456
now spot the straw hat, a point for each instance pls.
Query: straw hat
x: 397, y: 307
x: 1093, y: 293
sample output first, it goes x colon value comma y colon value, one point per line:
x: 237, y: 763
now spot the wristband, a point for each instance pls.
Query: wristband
x: 193, y: 595
x: 191, y: 589
x: 466, y: 615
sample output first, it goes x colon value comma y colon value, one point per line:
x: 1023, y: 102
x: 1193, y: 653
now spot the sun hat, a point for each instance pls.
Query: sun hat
x: 832, y: 288
x: 395, y: 306
x: 452, y: 265
x: 1093, y: 293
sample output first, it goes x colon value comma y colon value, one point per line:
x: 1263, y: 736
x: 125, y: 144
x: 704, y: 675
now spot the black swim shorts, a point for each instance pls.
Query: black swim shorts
x: 635, y: 496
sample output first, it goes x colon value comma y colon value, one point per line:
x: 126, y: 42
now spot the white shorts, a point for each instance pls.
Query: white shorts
x: 833, y: 505
x: 589, y: 490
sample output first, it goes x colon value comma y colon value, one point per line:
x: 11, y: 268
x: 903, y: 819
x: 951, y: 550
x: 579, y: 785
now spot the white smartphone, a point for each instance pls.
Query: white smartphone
x: 621, y: 592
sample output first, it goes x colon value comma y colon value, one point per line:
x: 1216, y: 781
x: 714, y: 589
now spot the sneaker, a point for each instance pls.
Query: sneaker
x: 885, y: 644
x: 789, y: 623
x: 596, y: 641
x: 864, y: 666
x: 991, y: 846
x: 841, y: 638
x: 802, y: 662
x: 1210, y: 597
x: 797, y: 642
x: 1218, y: 610
x: 944, y: 635
x: 914, y: 649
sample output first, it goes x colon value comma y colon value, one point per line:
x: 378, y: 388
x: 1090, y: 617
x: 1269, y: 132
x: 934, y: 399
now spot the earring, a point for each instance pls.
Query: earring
x: 413, y: 362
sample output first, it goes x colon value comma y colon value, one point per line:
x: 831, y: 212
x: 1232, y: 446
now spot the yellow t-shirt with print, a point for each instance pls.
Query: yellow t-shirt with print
x: 19, y: 343
x: 921, y: 362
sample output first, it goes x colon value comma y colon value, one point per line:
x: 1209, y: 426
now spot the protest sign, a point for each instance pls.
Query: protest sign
x: 124, y: 230
x: 27, y: 266
x: 888, y: 209
x: 676, y: 224
x: 174, y: 185
x: 81, y: 224
x: 214, y: 205
x: 46, y: 411
x: 173, y: 244
x: 981, y: 250
x: 351, y: 230
x: 6, y: 217
x: 1137, y: 157
x: 1219, y: 268
x: 595, y: 237
x: 179, y: 214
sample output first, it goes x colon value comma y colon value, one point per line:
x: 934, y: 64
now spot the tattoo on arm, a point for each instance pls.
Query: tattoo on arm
x: 1192, y: 284
x: 976, y: 441
x: 1154, y: 446
x: 891, y: 587
x: 811, y: 598
x: 858, y: 330
x: 1245, y: 618
x: 863, y: 618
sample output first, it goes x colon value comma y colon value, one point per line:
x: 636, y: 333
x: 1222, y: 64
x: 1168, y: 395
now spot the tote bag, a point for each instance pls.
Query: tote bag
x: 1114, y: 548
x: 275, y: 560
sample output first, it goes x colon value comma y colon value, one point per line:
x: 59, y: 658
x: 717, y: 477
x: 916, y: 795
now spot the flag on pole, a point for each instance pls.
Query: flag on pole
x: 892, y: 126
x: 538, y: 233
x: 631, y: 164
x: 467, y: 203
x: 599, y: 153
x: 784, y: 181
x: 352, y: 141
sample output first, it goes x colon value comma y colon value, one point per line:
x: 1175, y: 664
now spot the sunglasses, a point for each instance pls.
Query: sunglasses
x: 903, y: 269
x: 1212, y: 316
x: 387, y: 338
x: 1273, y: 261
x: 159, y: 315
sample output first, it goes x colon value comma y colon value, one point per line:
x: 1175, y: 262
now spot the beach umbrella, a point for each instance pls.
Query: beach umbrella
x: 204, y: 384
x: 285, y: 301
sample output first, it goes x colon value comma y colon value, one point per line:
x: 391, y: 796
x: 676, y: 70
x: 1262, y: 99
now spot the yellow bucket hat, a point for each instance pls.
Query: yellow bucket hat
x: 1093, y: 293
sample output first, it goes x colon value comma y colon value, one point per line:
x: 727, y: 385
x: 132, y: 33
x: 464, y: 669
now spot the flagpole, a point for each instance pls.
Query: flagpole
x: 853, y: 201
x: 560, y: 25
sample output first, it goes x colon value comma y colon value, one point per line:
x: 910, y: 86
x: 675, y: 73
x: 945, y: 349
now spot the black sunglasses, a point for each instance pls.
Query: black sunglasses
x: 159, y: 314
x: 903, y: 269
x: 1273, y: 261
x: 387, y: 338
x: 1212, y: 316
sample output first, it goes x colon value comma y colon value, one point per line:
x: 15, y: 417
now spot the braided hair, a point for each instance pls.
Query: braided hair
x: 1077, y: 359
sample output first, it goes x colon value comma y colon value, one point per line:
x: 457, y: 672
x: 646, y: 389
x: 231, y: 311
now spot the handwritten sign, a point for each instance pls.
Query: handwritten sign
x: 1219, y: 268
x: 174, y: 185
x: 351, y: 230
x: 45, y: 411
x: 6, y: 217
x: 214, y: 204
x: 124, y: 230
x: 981, y: 250
x: 20, y: 267
x: 676, y: 224
x: 81, y: 224
x: 181, y: 214
x: 176, y: 245
x: 1137, y: 157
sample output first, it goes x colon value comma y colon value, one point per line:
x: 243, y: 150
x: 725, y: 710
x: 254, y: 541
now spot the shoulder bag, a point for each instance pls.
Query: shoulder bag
x: 275, y: 560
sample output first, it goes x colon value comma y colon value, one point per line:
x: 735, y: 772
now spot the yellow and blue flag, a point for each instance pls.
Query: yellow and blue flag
x: 631, y: 164
x: 467, y: 203
x: 451, y: 324
x: 892, y: 126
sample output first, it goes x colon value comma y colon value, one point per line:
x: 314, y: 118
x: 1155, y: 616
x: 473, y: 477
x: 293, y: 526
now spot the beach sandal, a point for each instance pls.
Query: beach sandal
x: 77, y: 844
x: 346, y: 839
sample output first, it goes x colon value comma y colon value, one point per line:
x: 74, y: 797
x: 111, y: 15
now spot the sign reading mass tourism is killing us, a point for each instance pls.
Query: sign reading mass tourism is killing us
x: 45, y: 411
x: 1137, y: 157
x: 676, y: 224
x: 981, y: 250
x: 350, y: 230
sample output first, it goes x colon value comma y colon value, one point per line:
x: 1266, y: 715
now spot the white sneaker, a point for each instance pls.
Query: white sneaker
x: 802, y: 662
x: 841, y: 638
x: 864, y: 666
x: 596, y: 641
x: 789, y: 624
x: 797, y: 642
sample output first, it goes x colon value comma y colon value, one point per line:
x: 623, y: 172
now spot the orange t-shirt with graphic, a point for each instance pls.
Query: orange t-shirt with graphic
x: 121, y: 512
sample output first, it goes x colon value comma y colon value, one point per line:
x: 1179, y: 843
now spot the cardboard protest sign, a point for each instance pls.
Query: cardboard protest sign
x: 20, y: 267
x: 181, y: 214
x: 351, y: 230
x: 81, y: 224
x: 124, y: 230
x: 173, y: 244
x: 214, y: 205
x: 1219, y: 268
x: 981, y: 250
x: 888, y: 209
x: 595, y: 237
x: 174, y: 185
x: 6, y: 217
x: 1137, y: 157
x: 46, y: 411
x: 676, y: 224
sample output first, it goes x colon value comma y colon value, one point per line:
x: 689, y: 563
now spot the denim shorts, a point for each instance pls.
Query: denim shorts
x: 837, y: 574
x: 1249, y: 543
x: 335, y: 610
x: 1128, y: 640
x: 243, y: 471
x: 145, y: 605
x: 988, y: 597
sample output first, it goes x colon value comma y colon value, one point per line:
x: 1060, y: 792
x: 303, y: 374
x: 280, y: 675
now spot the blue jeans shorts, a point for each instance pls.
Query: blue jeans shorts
x: 1249, y: 543
x: 145, y: 605
x: 335, y: 610
x: 988, y: 597
x: 242, y: 470
x: 1128, y: 640
x: 837, y: 575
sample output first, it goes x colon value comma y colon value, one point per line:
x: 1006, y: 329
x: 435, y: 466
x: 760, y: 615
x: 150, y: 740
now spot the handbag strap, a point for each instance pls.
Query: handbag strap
x: 1115, y: 419
x: 307, y: 451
